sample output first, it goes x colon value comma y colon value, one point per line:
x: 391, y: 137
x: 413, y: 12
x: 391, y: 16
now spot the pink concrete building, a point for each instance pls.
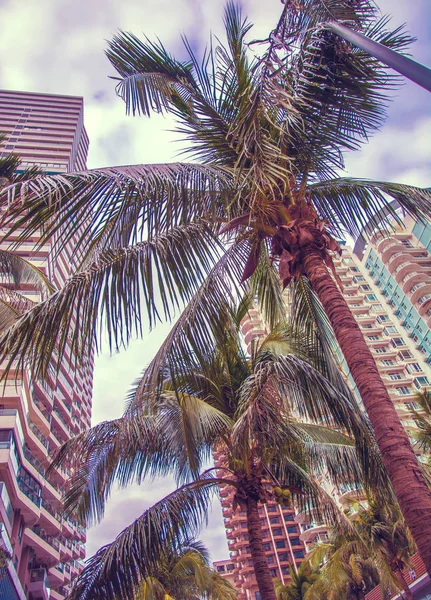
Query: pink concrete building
x: 37, y: 416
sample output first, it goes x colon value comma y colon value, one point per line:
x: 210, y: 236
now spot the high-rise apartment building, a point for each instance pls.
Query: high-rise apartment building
x: 387, y: 284
x: 281, y: 536
x: 44, y: 130
x: 37, y: 416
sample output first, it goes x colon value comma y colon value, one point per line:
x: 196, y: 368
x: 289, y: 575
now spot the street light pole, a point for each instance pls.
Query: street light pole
x: 402, y: 64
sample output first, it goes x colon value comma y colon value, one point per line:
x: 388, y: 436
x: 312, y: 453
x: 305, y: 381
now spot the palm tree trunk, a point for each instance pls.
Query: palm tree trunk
x: 407, y: 591
x: 402, y: 466
x: 260, y: 565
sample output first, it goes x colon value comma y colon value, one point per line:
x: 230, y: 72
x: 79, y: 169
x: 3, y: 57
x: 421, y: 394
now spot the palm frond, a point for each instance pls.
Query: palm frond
x: 115, y: 206
x: 338, y: 90
x: 12, y: 306
x: 16, y: 270
x: 198, y: 325
x: 116, y: 570
x: 115, y: 293
x: 360, y: 206
x: 175, y: 438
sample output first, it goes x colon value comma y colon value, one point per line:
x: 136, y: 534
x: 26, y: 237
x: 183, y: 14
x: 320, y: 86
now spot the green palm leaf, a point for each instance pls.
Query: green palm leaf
x: 119, y: 288
x: 117, y: 569
x: 359, y: 206
x: 114, y: 206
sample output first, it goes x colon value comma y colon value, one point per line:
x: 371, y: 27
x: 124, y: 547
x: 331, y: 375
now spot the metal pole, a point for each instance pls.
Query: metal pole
x: 406, y: 66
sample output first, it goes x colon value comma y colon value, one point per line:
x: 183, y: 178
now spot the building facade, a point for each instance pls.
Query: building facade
x: 37, y: 416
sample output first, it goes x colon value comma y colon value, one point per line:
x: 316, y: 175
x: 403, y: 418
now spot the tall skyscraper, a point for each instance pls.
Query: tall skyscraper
x: 37, y: 416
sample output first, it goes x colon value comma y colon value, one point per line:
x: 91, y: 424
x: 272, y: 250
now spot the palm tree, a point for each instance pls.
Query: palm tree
x: 377, y: 549
x: 247, y: 408
x: 300, y: 582
x: 270, y: 133
x: 185, y: 574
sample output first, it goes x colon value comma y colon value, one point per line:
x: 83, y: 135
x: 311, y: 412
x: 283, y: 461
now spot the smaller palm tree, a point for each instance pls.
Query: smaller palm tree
x: 376, y: 550
x: 185, y: 574
x: 301, y: 581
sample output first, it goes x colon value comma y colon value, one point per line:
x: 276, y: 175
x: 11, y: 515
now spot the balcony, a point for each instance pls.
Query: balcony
x: 350, y: 492
x: 39, y: 586
x: 35, y: 463
x: 44, y: 389
x: 56, y: 576
x: 39, y: 415
x: 45, y: 547
x: 312, y: 531
x: 38, y: 434
x: 61, y: 423
x: 65, y: 385
x: 29, y: 487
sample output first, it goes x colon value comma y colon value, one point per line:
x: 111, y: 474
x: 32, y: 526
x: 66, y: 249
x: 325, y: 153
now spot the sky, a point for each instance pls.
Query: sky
x: 57, y: 46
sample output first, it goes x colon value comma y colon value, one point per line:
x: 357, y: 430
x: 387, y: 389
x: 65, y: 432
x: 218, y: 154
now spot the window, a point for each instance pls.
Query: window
x: 273, y: 572
x: 397, y: 341
x: 20, y: 530
x: 358, y: 278
x: 373, y: 338
x: 371, y: 297
x: 365, y: 288
x: 230, y: 567
x: 381, y: 350
x: 406, y: 354
x: 267, y: 547
x: 411, y: 405
x: 283, y: 557
x: 280, y: 544
x: 220, y: 568
x: 289, y: 517
x: 414, y: 368
x: 295, y: 541
x: 257, y: 596
x: 403, y: 390
x: 395, y: 376
x: 277, y: 531
x: 387, y: 362
x: 270, y: 560
x: 420, y: 382
x: 382, y: 318
x: 390, y: 329
x: 274, y: 520
x: 272, y: 508
x: 298, y: 554
x: 292, y: 530
x: 354, y: 269
x: 367, y: 326
x: 407, y: 244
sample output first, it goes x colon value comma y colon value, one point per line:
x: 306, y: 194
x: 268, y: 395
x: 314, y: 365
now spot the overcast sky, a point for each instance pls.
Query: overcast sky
x: 57, y: 46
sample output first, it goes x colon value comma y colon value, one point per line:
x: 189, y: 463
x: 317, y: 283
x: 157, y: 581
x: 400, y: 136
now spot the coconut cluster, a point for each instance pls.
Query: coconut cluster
x: 283, y: 496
